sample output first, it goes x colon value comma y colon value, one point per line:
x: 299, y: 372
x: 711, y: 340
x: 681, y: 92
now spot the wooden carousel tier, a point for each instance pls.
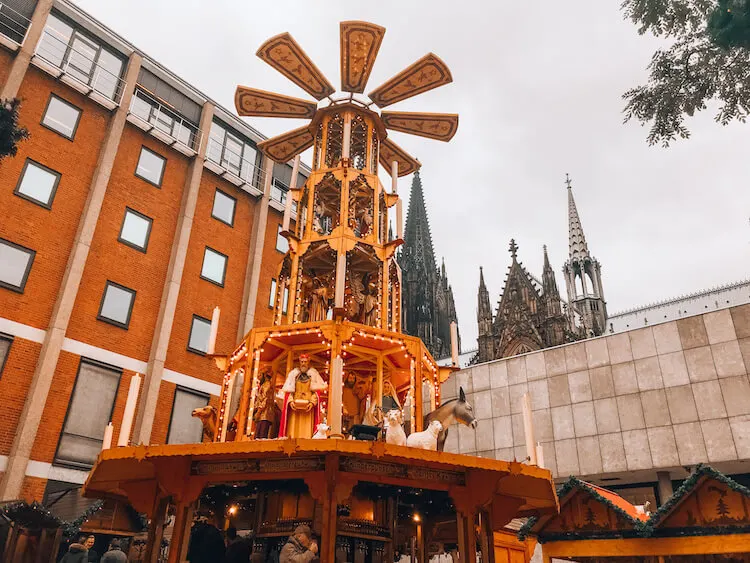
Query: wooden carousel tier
x: 331, y: 468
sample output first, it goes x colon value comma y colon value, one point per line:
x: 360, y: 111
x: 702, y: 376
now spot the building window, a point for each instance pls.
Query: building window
x: 165, y: 120
x: 135, y: 230
x: 282, y: 245
x: 89, y: 411
x: 37, y: 183
x: 5, y: 342
x: 285, y: 302
x: 233, y: 153
x: 183, y: 427
x: 15, y: 265
x: 117, y: 305
x: 200, y: 331
x: 61, y: 117
x: 81, y: 57
x: 214, y: 266
x: 223, y: 209
x: 272, y: 297
x: 151, y: 167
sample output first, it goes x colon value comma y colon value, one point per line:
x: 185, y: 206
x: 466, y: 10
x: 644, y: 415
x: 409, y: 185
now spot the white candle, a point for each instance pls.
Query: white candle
x: 335, y: 392
x: 454, y: 343
x: 528, y: 428
x: 346, y: 144
x: 214, y: 330
x: 399, y: 219
x: 340, y: 280
x: 539, y: 455
x: 292, y: 186
x: 394, y: 177
x: 127, y: 418
x: 108, y: 431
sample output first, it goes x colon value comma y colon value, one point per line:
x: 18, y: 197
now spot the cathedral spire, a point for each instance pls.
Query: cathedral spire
x: 577, y: 246
x: 484, y: 321
x: 417, y: 236
x: 547, y: 267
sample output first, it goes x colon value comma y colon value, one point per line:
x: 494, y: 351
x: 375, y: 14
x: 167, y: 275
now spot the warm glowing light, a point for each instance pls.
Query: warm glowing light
x: 416, y: 518
x: 233, y: 510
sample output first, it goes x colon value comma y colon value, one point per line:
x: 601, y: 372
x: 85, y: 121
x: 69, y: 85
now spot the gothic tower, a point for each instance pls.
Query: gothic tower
x: 583, y: 277
x: 427, y: 298
x: 484, y: 321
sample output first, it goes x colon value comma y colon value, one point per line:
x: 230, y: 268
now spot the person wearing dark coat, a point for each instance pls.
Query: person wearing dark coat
x: 238, y: 548
x: 115, y: 554
x: 77, y: 553
x: 206, y: 544
x: 93, y: 556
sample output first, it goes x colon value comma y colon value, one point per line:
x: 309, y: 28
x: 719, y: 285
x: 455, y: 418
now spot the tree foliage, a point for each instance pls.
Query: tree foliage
x: 707, y: 60
x: 10, y: 133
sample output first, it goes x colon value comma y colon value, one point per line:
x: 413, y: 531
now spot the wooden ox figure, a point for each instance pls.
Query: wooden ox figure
x: 455, y: 410
x: 209, y: 417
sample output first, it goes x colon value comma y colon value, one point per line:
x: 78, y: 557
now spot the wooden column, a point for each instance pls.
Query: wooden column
x: 467, y: 550
x: 418, y: 424
x: 156, y: 531
x: 181, y: 533
x: 379, y: 381
x: 486, y: 538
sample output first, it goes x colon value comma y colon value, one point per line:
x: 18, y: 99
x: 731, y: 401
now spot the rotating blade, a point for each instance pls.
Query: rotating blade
x: 360, y: 42
x: 427, y: 73
x: 283, y: 148
x: 284, y: 54
x: 258, y: 103
x: 438, y: 126
x: 390, y: 151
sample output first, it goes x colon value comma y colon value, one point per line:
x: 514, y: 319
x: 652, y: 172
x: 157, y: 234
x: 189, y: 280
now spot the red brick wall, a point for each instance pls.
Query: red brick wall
x: 112, y: 260
x: 33, y: 489
x: 14, y: 384
x: 6, y: 59
x: 199, y: 296
x: 48, y: 231
x: 269, y: 269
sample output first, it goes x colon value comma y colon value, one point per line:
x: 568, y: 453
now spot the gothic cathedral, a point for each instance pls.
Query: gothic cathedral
x: 427, y: 298
x: 531, y: 315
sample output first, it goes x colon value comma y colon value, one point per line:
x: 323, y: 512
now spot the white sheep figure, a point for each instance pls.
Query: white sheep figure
x: 427, y: 439
x: 394, y: 432
x: 321, y: 432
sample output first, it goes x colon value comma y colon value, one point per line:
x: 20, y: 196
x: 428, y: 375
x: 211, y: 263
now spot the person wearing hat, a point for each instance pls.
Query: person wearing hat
x: 300, y: 547
x: 301, y: 412
x: 115, y: 553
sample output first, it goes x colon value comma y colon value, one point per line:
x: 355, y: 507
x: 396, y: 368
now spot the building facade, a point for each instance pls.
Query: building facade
x: 427, y: 298
x: 136, y: 206
x: 632, y: 411
x: 530, y: 314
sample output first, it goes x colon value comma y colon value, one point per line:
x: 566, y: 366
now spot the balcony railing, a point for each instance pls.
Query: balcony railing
x: 14, y: 27
x: 227, y: 163
x: 165, y: 124
x: 279, y: 192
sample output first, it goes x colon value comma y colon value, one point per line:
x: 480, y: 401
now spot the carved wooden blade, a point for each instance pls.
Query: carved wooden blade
x: 390, y: 151
x: 439, y: 126
x: 360, y: 42
x: 427, y: 73
x: 284, y: 54
x: 258, y: 103
x: 285, y: 147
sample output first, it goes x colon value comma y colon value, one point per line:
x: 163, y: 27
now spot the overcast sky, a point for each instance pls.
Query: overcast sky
x: 538, y: 88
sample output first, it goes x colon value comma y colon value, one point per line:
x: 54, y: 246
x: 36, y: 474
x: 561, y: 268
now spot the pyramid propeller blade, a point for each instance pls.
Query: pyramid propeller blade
x: 258, y: 103
x: 284, y: 54
x: 390, y: 151
x: 439, y: 126
x: 427, y: 73
x: 283, y: 148
x: 360, y: 42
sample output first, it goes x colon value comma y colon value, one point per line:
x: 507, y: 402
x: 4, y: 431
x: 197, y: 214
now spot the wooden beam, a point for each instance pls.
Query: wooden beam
x: 684, y: 545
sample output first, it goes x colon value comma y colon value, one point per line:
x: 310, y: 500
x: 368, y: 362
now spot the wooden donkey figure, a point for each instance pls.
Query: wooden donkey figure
x: 455, y: 410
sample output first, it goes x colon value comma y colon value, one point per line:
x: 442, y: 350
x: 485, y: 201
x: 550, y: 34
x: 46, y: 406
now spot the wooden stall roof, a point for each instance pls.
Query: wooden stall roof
x: 143, y: 472
x: 708, y: 514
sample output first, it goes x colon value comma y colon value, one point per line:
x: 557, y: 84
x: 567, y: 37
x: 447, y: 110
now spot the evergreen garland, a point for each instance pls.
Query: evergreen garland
x: 649, y: 527
x: 32, y: 516
x: 72, y: 528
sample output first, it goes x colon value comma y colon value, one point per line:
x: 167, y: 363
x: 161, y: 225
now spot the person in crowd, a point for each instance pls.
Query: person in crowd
x: 93, y: 556
x: 441, y: 556
x: 206, y: 543
x: 238, y: 548
x: 300, y: 547
x: 115, y: 553
x: 77, y: 553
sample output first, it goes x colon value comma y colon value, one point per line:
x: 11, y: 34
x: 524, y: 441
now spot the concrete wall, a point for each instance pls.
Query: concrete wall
x: 657, y: 398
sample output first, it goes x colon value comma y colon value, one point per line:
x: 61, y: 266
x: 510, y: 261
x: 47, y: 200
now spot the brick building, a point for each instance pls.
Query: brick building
x: 136, y: 206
